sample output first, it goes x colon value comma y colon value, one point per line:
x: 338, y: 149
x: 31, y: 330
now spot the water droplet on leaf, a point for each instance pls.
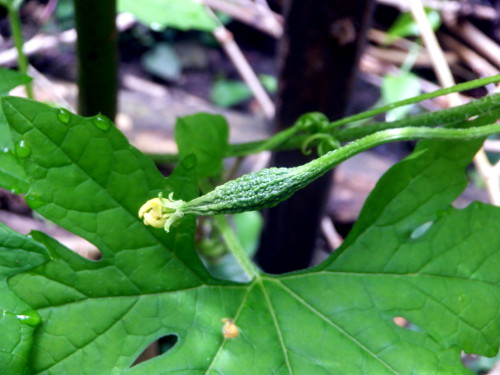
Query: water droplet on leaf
x: 155, y: 26
x: 34, y: 202
x: 63, y: 115
x: 189, y: 162
x: 102, y: 122
x: 30, y: 318
x: 22, y: 149
x: 421, y: 230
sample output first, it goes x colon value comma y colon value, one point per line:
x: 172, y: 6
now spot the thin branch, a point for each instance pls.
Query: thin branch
x: 226, y: 39
x: 250, y: 13
x: 492, y: 145
x: 476, y: 62
x: 17, y: 36
x: 40, y: 42
x: 48, y: 10
x: 398, y: 57
x: 234, y: 245
x: 455, y: 7
x: 376, y: 67
x: 56, y: 96
x: 441, y: 67
x: 445, y: 78
x: 328, y: 230
x: 477, y: 39
x: 381, y: 37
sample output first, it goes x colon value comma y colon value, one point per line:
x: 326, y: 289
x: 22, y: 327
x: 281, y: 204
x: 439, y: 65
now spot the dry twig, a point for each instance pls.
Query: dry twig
x: 253, y: 14
x: 453, y: 7
x: 40, y: 42
x: 476, y: 62
x: 333, y: 238
x: 445, y: 78
x: 226, y: 39
x: 477, y: 39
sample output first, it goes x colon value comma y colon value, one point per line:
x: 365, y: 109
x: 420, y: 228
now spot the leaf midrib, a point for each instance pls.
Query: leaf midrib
x: 332, y: 324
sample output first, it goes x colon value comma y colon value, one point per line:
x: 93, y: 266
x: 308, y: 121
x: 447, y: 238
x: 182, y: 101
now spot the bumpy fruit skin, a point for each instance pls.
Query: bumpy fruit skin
x: 271, y: 186
x: 249, y: 192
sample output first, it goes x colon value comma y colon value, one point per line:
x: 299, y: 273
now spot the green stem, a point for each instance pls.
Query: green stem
x: 236, y: 249
x: 232, y: 242
x: 321, y: 165
x: 446, y: 117
x: 17, y: 35
x: 416, y: 99
x: 289, y: 139
x: 267, y: 188
x: 97, y: 52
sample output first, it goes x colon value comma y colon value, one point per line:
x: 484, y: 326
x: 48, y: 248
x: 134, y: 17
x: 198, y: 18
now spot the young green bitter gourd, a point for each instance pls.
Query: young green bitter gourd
x: 271, y: 186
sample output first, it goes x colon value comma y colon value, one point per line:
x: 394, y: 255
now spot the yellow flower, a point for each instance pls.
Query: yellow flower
x: 161, y: 212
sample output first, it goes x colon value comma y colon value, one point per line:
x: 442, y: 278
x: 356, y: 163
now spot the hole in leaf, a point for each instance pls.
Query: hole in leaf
x: 167, y: 343
x: 80, y: 246
x: 156, y: 348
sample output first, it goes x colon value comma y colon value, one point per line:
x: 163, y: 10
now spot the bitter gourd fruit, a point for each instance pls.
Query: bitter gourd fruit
x: 271, y: 186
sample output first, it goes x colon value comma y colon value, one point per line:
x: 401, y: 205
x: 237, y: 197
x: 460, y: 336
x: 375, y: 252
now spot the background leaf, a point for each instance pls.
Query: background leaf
x: 394, y: 88
x: 13, y: 4
x: 10, y: 79
x: 206, y: 136
x: 410, y: 255
x: 405, y: 25
x: 248, y: 226
x: 227, y: 93
x: 163, y: 62
x: 17, y: 320
x: 159, y: 14
x: 12, y: 176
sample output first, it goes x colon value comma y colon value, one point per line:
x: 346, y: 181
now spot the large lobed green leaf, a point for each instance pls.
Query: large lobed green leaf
x: 410, y: 255
x: 205, y: 135
x: 12, y: 176
x: 17, y: 320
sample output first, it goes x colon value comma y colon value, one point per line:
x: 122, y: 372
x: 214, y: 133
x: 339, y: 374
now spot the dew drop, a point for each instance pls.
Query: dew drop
x: 155, y: 26
x: 34, y: 202
x: 22, y: 149
x: 421, y: 230
x: 63, y: 115
x: 102, y: 122
x: 189, y: 162
x: 30, y: 318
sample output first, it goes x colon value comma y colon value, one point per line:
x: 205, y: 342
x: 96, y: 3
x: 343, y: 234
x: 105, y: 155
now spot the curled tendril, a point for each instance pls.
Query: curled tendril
x: 313, y: 122
x: 162, y: 212
x: 325, y: 143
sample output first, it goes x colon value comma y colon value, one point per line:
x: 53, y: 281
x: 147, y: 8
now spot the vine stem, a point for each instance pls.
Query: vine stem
x: 290, y: 139
x: 236, y: 248
x: 431, y: 95
x: 22, y: 60
x: 232, y: 242
x: 445, y: 77
x: 267, y: 188
x: 329, y: 160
